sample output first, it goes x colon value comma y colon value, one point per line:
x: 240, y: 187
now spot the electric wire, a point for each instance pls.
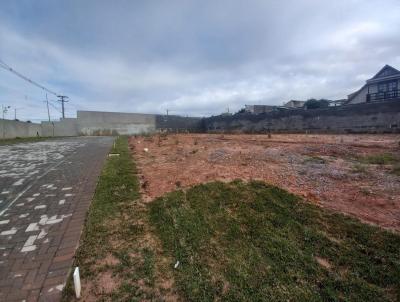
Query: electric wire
x: 9, y: 68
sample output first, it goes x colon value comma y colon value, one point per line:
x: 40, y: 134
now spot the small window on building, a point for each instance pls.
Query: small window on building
x: 392, y: 86
x: 382, y: 87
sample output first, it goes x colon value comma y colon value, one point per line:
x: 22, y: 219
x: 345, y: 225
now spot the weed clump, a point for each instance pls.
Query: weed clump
x: 359, y: 168
x: 380, y: 159
x: 314, y: 160
x: 396, y: 170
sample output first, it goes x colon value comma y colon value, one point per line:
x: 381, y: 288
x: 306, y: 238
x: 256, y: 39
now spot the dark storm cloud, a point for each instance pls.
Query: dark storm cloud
x: 193, y: 57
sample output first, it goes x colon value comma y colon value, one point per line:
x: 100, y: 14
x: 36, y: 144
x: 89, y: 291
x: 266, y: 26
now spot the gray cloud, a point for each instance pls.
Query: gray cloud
x: 192, y: 57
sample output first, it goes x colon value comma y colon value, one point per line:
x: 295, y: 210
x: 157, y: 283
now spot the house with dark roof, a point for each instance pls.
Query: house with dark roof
x: 383, y: 86
x: 294, y: 104
x: 258, y: 109
x: 336, y: 103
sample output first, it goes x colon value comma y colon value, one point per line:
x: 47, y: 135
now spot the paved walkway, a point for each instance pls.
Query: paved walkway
x: 45, y: 191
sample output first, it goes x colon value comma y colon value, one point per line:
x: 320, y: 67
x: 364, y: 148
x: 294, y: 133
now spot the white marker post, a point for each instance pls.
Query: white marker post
x: 77, y: 283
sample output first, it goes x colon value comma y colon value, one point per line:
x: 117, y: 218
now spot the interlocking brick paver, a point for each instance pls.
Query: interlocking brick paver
x: 49, y: 186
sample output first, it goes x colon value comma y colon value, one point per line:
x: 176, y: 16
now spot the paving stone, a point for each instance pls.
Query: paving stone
x: 39, y: 235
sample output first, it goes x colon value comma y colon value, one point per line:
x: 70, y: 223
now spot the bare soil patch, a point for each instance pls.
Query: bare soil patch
x: 325, y: 169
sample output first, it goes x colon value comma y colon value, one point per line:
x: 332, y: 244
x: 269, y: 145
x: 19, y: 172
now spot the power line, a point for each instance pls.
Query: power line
x: 62, y: 98
x: 24, y: 95
x: 55, y: 107
x: 55, y: 102
x: 7, y: 67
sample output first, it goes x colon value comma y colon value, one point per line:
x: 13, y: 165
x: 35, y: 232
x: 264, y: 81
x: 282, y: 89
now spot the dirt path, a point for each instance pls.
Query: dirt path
x: 322, y: 168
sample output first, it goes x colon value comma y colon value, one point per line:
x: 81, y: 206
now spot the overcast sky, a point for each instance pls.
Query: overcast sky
x: 191, y: 57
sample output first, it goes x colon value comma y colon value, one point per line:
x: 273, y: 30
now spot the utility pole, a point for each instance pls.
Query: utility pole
x: 48, y: 110
x: 62, y: 100
x: 15, y: 112
x: 4, y: 110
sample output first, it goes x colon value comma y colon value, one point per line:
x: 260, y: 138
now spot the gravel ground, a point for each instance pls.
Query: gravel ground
x: 322, y: 168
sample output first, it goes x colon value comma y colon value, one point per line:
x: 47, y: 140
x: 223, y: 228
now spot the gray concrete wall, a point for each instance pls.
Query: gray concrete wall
x: 114, y: 123
x: 64, y: 127
x: 376, y: 117
x: 103, y: 123
x: 117, y: 123
x: 13, y: 129
x: 366, y: 117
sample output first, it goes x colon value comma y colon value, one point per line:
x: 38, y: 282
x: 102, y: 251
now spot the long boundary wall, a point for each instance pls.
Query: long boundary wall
x: 382, y: 117
x: 359, y: 118
x: 13, y: 129
x: 115, y: 123
x: 64, y: 127
x: 102, y: 123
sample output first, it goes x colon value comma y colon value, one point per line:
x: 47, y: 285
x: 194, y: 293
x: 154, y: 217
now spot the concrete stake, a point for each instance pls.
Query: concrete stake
x: 77, y: 283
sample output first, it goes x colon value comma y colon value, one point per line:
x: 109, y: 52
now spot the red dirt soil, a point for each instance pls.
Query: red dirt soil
x: 322, y: 168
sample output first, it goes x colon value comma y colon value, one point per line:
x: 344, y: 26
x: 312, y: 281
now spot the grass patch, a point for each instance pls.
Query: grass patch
x: 314, y: 160
x: 255, y: 242
x: 18, y: 140
x: 380, y: 159
x: 396, y: 170
x: 384, y: 159
x: 109, y: 244
x: 359, y: 168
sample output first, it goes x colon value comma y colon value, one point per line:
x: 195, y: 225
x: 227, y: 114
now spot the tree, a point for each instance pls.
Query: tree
x: 241, y: 111
x: 316, y: 104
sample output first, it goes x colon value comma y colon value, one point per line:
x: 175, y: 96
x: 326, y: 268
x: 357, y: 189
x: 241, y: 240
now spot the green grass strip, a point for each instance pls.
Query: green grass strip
x: 255, y: 242
x: 116, y: 189
x: 19, y: 140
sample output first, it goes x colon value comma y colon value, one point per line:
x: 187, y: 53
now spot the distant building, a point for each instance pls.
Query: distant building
x: 336, y: 103
x: 257, y: 109
x: 383, y: 86
x: 293, y: 104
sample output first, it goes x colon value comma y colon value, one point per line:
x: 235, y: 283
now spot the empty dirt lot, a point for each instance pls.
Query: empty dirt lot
x: 353, y: 174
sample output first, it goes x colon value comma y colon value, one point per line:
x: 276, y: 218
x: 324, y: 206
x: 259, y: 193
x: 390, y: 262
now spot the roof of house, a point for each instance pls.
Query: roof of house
x: 294, y: 102
x: 259, y: 106
x: 386, y: 68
